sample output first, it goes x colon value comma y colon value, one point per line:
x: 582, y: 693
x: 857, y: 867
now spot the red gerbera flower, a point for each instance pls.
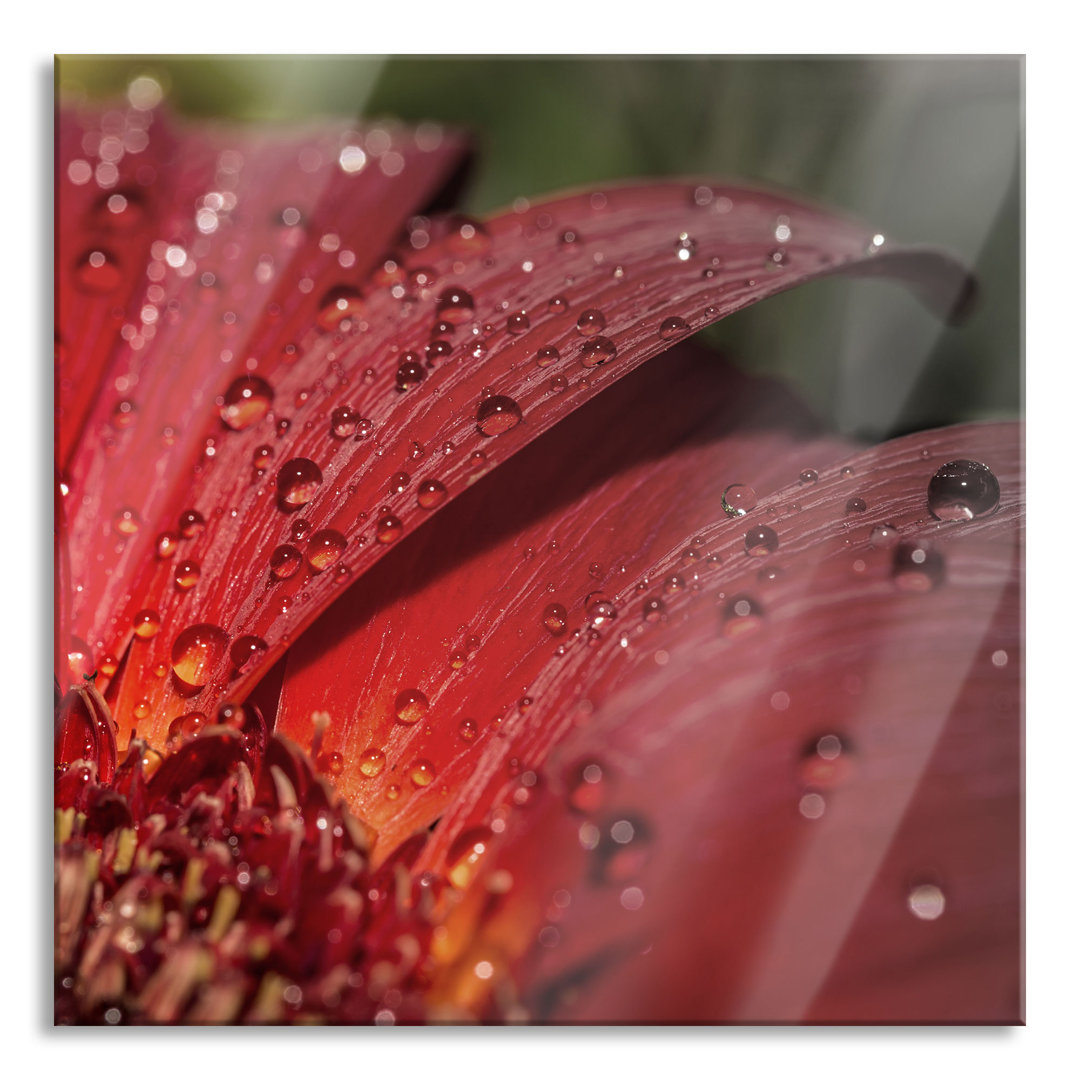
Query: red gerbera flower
x: 425, y: 656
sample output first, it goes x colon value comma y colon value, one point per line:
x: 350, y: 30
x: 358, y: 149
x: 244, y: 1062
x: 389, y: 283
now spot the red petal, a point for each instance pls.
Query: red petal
x: 732, y: 866
x: 642, y: 256
x: 460, y: 612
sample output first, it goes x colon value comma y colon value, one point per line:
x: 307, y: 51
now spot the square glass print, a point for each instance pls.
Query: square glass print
x: 538, y: 541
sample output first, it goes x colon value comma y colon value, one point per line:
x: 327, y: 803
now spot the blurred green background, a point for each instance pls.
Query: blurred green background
x: 924, y: 149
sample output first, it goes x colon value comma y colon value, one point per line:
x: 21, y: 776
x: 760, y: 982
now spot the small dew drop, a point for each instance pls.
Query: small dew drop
x: 422, y: 772
x: 339, y: 303
x: 808, y: 476
x: 557, y: 305
x: 191, y: 524
x: 586, y: 790
x: 855, y: 506
x: 455, y: 306
x: 410, y: 374
x: 343, y: 421
x: 742, y: 615
x: 186, y: 575
x: 125, y: 522
x: 146, y: 624
x: 388, y: 528
x: 97, y: 272
x: 884, y: 535
x: 246, y: 652
x: 962, y: 490
x: 546, y: 356
x: 517, y: 323
x: 372, y: 762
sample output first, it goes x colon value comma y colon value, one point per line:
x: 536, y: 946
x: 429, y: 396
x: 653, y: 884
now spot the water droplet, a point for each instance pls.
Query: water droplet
x: 597, y: 351
x: 653, y: 610
x: 672, y: 327
x: 198, y: 652
x: 330, y: 763
x: 884, y: 535
x: 685, y: 247
x: 165, y: 545
x: 261, y: 456
x: 388, y: 528
x: 591, y: 322
x: 186, y: 575
x: 464, y: 854
x: 776, y: 258
x: 555, y: 618
x: 409, y: 375
x: 468, y: 730
x: 761, y: 540
x: 621, y: 850
x: 297, y: 482
x: 97, y: 272
x: 325, y: 548
x: 742, y: 614
x: 421, y: 772
x: 517, y: 323
x: 600, y: 610
x: 299, y: 528
x: 429, y: 494
x: 926, y: 902
x: 436, y: 351
x: 343, y: 421
x: 146, y: 623
x: 364, y: 428
x: 496, y: 415
x: 586, y: 790
x: 339, y: 303
x: 372, y: 762
x: 557, y: 305
x: 855, y: 506
x: 826, y: 762
x: 917, y: 567
x: 125, y: 522
x: 247, y: 401
x: 285, y: 562
x: 399, y: 483
x: 961, y: 490
x: 191, y: 524
x: 738, y: 500
x: 455, y: 306
x: 569, y: 237
x: 410, y: 706
x: 546, y: 356
x: 247, y: 652
x: 558, y: 384
x: 123, y: 415
x: 847, y: 472
x: 808, y: 476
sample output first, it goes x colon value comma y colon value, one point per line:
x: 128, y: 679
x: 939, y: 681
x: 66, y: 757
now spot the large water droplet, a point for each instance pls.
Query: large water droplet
x: 497, y: 414
x: 198, y: 652
x: 591, y: 322
x: 97, y: 272
x: 586, y: 790
x: 247, y: 401
x: 410, y: 374
x: 926, y: 902
x: 430, y: 493
x: 285, y: 562
x: 738, y: 500
x: 455, y: 306
x: 672, y: 327
x: 961, y: 490
x: 555, y: 618
x: 325, y: 548
x: 917, y: 567
x: 372, y: 762
x: 339, y: 303
x: 742, y: 615
x: 761, y: 540
x: 598, y: 351
x: 388, y: 528
x: 410, y: 706
x: 621, y: 851
x: 343, y: 421
x: 297, y: 482
x: 146, y: 623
